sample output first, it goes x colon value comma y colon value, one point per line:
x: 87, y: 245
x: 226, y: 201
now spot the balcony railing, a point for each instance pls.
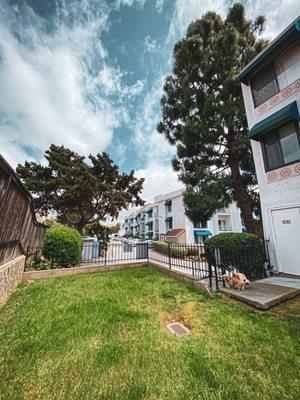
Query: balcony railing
x: 226, y: 228
x: 223, y: 211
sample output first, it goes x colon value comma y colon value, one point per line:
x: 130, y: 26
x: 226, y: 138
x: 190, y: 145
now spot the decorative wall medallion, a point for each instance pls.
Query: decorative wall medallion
x: 272, y: 176
x: 279, y: 97
x: 274, y: 100
x: 263, y: 108
x: 283, y: 173
x: 297, y: 169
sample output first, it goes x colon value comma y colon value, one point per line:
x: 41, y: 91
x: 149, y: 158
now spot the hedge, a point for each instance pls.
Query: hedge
x: 175, y: 249
x: 243, y: 251
x: 62, y: 245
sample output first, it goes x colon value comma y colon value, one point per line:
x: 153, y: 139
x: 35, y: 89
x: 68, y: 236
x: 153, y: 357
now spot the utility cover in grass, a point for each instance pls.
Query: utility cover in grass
x: 178, y: 328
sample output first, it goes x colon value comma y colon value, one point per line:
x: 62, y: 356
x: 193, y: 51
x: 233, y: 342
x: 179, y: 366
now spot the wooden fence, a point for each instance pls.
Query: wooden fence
x: 18, y: 225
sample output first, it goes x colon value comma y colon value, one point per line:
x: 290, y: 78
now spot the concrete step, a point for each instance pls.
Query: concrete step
x: 263, y: 294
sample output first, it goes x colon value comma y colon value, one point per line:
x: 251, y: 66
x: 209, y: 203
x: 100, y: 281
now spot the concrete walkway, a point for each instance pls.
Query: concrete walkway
x: 266, y: 292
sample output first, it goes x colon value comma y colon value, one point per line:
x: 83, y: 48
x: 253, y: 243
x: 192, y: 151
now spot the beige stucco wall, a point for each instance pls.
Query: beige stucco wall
x: 10, y: 275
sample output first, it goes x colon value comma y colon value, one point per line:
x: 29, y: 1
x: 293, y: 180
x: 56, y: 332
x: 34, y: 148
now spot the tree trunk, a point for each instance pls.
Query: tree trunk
x: 79, y: 226
x: 243, y: 198
x: 243, y: 201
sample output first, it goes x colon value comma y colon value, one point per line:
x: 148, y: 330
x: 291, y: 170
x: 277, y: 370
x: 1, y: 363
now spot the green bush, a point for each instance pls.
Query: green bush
x: 243, y: 251
x: 62, y: 245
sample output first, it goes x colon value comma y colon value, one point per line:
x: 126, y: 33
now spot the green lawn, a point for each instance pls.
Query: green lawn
x: 103, y: 336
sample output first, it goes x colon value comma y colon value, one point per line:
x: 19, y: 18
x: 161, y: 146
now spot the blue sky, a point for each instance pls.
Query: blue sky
x: 89, y: 74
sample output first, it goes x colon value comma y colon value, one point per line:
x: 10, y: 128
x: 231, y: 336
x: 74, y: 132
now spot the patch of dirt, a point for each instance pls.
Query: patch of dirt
x: 185, y: 315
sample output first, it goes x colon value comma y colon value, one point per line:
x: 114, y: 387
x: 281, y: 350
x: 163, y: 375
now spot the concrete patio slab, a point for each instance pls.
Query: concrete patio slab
x: 263, y: 295
x: 282, y: 281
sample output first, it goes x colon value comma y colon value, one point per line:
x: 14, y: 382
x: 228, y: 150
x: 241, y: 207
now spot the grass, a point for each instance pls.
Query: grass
x: 103, y: 336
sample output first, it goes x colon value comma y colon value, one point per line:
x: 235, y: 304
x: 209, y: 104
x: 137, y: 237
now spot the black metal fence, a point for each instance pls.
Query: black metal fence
x: 93, y: 254
x: 192, y: 259
x: 187, y: 258
x: 98, y: 253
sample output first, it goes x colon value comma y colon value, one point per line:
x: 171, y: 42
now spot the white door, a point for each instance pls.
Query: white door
x: 286, y: 223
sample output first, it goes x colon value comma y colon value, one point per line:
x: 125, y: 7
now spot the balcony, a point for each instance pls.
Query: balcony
x: 224, y: 210
x: 225, y: 228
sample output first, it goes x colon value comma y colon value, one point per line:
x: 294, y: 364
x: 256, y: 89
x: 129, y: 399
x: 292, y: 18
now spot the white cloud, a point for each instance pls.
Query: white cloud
x: 279, y: 14
x: 149, y: 143
x: 150, y: 44
x: 159, y: 5
x: 49, y: 94
x: 129, y: 3
x: 110, y: 80
x: 185, y: 11
x: 158, y: 179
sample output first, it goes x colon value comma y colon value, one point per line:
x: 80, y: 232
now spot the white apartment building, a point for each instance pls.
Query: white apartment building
x: 165, y: 219
x: 271, y: 91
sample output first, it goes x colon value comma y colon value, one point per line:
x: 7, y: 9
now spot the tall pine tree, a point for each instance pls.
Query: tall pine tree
x: 204, y: 116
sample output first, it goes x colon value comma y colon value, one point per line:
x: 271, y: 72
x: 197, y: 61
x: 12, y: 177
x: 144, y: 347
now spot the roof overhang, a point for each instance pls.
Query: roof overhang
x: 168, y: 202
x: 175, y: 232
x: 291, y: 33
x: 168, y: 219
x: 285, y: 114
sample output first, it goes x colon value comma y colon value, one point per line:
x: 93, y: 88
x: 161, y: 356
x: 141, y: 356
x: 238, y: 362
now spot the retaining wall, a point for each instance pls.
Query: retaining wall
x: 48, y: 274
x: 11, y: 274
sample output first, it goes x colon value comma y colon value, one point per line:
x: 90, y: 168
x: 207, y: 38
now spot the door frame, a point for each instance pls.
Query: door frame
x: 273, y: 230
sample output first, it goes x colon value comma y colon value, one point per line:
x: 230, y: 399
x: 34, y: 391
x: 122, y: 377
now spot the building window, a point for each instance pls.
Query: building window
x: 168, y: 205
x: 276, y: 75
x: 281, y: 146
x: 169, y: 224
x: 287, y: 65
x: 199, y: 225
x: 264, y: 85
x: 222, y: 225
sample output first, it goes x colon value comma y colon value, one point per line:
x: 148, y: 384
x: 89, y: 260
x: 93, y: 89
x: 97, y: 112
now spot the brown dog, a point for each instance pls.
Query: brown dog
x: 239, y: 280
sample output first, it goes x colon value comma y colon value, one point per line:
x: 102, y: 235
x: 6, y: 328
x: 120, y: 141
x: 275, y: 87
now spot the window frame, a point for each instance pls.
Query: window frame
x: 264, y: 152
x: 201, y: 225
x: 169, y: 225
x: 168, y: 208
x: 272, y: 64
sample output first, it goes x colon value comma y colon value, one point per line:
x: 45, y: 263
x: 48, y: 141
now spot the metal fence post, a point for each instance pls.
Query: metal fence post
x: 216, y: 276
x: 105, y: 255
x: 210, y: 275
x: 147, y: 247
x: 169, y: 253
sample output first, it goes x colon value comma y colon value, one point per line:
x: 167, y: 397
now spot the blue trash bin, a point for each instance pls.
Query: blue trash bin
x: 95, y: 249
